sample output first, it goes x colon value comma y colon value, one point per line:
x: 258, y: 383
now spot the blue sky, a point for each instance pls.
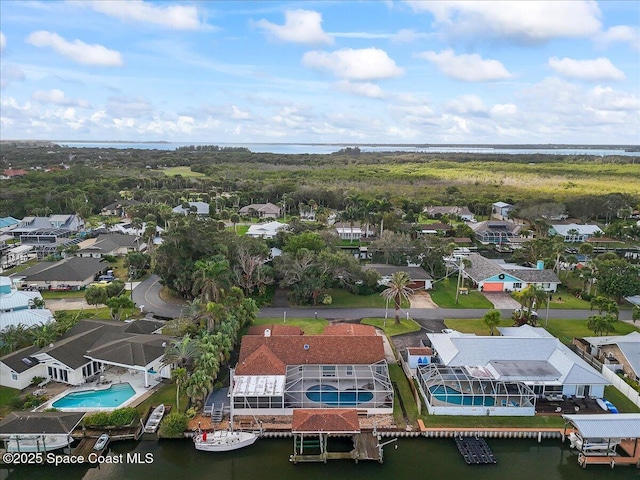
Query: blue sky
x: 321, y: 71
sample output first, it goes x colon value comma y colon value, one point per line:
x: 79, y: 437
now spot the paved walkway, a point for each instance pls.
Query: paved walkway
x: 501, y: 300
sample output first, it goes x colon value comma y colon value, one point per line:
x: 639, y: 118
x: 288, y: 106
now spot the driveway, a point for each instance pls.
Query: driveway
x: 67, y: 304
x: 422, y: 299
x: 147, y: 296
x: 501, y: 300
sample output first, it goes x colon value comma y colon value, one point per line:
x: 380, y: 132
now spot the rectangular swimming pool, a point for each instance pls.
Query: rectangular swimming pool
x: 112, y: 397
x: 446, y: 394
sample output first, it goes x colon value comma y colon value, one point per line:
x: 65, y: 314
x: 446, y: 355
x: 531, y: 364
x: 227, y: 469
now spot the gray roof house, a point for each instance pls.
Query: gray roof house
x: 201, y: 208
x: 115, y: 244
x: 419, y: 277
x: 497, y: 231
x: 118, y: 208
x: 74, y: 272
x: 28, y: 225
x: 493, y: 276
x: 620, y: 352
x: 453, y: 211
x: 263, y: 210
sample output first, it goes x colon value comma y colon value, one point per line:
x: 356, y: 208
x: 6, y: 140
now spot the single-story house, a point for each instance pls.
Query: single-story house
x: 346, y: 231
x: 73, y: 272
x: 574, y: 233
x: 620, y: 353
x: 501, y: 210
x: 90, y: 346
x: 453, y: 211
x: 497, y: 231
x: 279, y: 371
x: 493, y: 276
x: 266, y: 230
x: 201, y: 208
x: 420, y: 279
x: 115, y: 244
x: 261, y: 210
x: 30, y: 225
x: 502, y: 375
x: 118, y: 208
x: 18, y: 307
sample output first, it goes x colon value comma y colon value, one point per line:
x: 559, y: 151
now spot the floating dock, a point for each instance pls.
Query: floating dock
x: 475, y: 450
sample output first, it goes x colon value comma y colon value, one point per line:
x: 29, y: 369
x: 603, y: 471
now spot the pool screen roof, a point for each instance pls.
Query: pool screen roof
x: 531, y: 370
x: 258, y: 385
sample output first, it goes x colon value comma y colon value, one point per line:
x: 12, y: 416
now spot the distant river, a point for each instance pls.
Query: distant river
x: 414, y: 459
x: 294, y: 148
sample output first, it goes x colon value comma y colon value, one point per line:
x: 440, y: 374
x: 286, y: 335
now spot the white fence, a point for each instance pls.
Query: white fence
x: 621, y: 385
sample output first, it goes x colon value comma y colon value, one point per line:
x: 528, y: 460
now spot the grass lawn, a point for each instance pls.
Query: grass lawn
x: 6, y: 397
x: 444, y: 294
x: 622, y: 403
x: 343, y: 299
x: 182, y: 171
x: 309, y: 326
x: 474, y: 325
x: 240, y: 229
x: 566, y: 330
x: 166, y: 395
x: 46, y: 295
x: 391, y: 329
x: 398, y: 376
x: 537, y: 421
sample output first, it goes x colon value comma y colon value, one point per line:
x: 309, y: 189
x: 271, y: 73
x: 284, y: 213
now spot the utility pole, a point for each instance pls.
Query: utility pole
x: 460, y: 268
x: 546, y: 320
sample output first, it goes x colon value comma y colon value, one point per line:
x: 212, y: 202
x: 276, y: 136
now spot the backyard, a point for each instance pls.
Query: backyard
x: 444, y: 294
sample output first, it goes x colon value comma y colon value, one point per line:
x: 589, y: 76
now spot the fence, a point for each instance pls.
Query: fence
x: 626, y: 389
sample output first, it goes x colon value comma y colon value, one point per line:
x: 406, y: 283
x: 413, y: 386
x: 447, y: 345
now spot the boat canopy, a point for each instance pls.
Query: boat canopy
x: 622, y: 425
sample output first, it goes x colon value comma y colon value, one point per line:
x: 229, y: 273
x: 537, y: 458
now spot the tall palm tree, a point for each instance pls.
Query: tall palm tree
x: 211, y: 278
x: 397, y: 290
x: 350, y: 215
x: 180, y: 376
x: 182, y: 352
x: 199, y: 386
x: 43, y: 334
x: 530, y: 298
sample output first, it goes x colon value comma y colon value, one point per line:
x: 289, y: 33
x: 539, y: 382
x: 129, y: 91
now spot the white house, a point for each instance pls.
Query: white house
x: 201, y: 208
x: 17, y: 369
x: 620, y: 353
x: 574, y: 233
x: 503, y: 375
x: 500, y: 210
x: 261, y: 210
x: 265, y: 230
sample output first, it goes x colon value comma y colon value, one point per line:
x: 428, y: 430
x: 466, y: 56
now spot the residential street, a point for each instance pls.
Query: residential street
x: 147, y: 295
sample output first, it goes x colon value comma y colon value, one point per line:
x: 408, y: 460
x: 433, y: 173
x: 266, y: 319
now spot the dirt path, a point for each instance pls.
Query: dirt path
x: 422, y: 299
x: 67, y: 304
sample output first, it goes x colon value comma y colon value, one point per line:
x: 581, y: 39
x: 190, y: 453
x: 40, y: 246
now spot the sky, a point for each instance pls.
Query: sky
x: 498, y: 72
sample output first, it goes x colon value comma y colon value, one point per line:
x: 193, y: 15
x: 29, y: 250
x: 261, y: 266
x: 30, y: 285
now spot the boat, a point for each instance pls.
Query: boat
x: 153, y: 422
x: 610, y: 406
x: 101, y: 442
x: 225, y: 440
x: 593, y: 446
x: 601, y: 404
x: 37, y: 443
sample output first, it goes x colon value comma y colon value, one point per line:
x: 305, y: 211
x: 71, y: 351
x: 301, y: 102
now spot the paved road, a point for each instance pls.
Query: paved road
x: 147, y: 294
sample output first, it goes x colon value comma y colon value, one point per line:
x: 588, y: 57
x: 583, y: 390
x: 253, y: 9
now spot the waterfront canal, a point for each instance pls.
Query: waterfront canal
x: 416, y: 458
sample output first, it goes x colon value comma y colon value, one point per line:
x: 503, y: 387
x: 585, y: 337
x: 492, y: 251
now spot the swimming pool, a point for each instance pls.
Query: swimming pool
x: 446, y: 394
x: 329, y: 395
x: 112, y: 397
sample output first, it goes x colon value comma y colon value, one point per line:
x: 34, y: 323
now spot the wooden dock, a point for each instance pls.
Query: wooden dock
x: 629, y: 447
x: 366, y: 446
x: 475, y: 450
x: 85, y: 447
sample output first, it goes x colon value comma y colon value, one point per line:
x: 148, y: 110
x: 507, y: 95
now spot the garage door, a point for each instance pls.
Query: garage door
x: 493, y: 287
x: 417, y: 285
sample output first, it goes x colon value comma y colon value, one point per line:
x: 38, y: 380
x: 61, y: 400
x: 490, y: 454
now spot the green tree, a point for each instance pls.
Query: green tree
x: 636, y: 313
x: 43, y: 335
x: 173, y: 425
x: 182, y: 352
x: 211, y: 278
x: 601, y: 324
x: 491, y: 319
x: 180, y: 376
x: 530, y: 298
x: 198, y: 387
x: 95, y: 295
x: 119, y: 305
x: 618, y: 278
x: 398, y: 290
x: 605, y: 305
x: 234, y: 218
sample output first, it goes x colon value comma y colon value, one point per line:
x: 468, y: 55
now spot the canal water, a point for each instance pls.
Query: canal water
x: 416, y: 458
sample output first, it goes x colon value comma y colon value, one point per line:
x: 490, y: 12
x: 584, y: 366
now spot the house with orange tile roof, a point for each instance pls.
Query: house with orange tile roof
x: 280, y: 370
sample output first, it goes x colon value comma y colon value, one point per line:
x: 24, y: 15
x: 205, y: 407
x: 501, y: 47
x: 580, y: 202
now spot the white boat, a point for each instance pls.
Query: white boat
x: 37, y: 443
x: 102, y: 442
x: 154, y: 419
x: 225, y: 440
x: 593, y: 446
x: 601, y: 404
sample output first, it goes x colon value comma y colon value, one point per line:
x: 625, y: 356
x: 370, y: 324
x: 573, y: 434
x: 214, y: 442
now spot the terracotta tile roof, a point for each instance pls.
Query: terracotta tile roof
x: 261, y: 361
x: 14, y: 172
x: 276, y: 329
x: 334, y: 420
x: 420, y: 350
x: 349, y: 329
x: 308, y: 350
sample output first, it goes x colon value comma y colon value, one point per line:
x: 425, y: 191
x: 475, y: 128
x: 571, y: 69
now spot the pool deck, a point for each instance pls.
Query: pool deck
x: 112, y: 376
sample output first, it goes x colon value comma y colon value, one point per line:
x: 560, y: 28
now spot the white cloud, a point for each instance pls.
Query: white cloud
x: 178, y: 17
x: 608, y: 99
x: 77, y: 50
x: 469, y: 104
x: 360, y: 64
x: 57, y: 97
x: 300, y: 26
x: 592, y: 70
x: 467, y: 67
x: 238, y: 114
x: 503, y: 109
x: 529, y: 21
x: 10, y: 73
x: 364, y: 89
x: 620, y: 34
x: 3, y: 41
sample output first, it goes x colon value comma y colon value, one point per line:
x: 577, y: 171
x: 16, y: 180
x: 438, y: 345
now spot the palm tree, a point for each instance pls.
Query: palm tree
x: 199, y: 386
x: 14, y: 337
x: 182, y: 352
x: 180, y: 376
x: 350, y: 215
x: 211, y: 278
x: 398, y: 290
x: 601, y: 324
x: 43, y: 334
x: 530, y: 298
x: 235, y: 218
x: 491, y: 319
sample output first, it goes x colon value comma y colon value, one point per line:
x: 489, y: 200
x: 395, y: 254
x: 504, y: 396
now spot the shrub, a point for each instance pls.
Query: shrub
x: 118, y: 418
x: 173, y: 425
x: 109, y: 258
x: 98, y: 419
x: 191, y: 413
x: 36, y: 380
